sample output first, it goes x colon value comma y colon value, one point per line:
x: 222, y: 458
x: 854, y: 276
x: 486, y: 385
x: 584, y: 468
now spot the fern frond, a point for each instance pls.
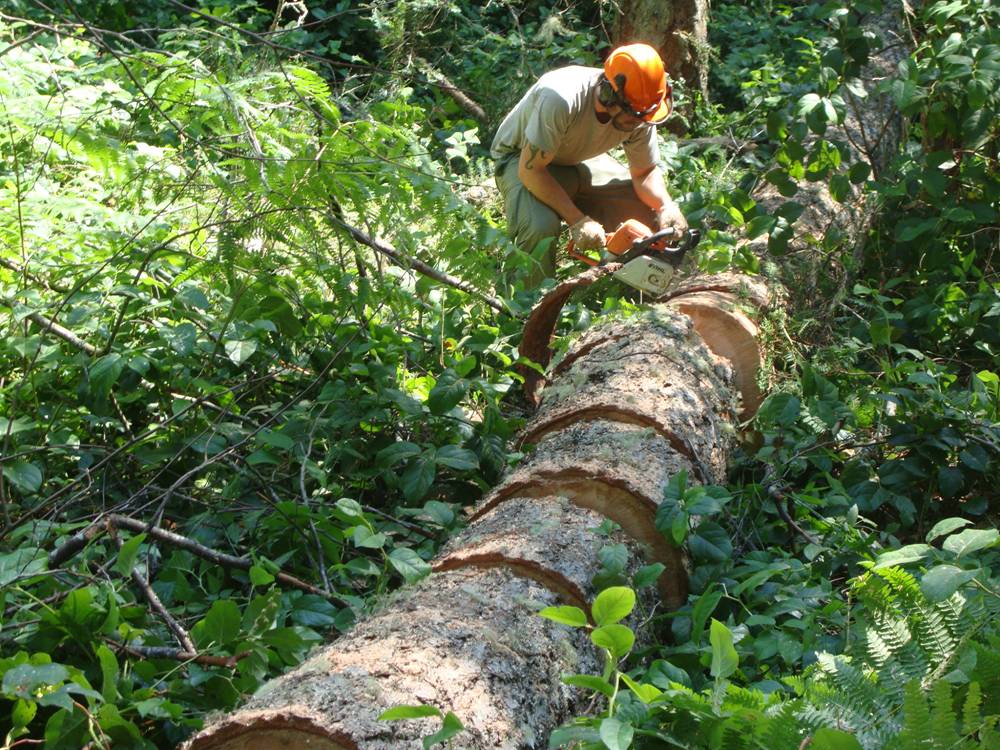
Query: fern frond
x: 916, y: 732
x: 944, y: 732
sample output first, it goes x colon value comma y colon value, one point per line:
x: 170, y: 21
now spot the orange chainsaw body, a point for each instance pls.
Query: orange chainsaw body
x: 619, y: 241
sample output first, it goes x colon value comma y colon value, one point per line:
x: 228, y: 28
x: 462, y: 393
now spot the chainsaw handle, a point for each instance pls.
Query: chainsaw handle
x: 673, y: 255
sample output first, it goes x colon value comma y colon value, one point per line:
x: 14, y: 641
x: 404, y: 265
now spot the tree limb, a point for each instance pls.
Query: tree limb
x: 417, y: 265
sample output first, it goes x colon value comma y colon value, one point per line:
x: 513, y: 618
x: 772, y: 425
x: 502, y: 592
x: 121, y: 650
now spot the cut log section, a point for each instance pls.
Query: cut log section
x: 466, y: 641
x: 730, y: 334
x: 653, y: 371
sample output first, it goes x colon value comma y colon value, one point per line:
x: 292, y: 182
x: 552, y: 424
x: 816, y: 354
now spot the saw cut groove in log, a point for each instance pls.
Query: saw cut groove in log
x: 547, y: 539
x: 467, y: 641
x: 730, y: 334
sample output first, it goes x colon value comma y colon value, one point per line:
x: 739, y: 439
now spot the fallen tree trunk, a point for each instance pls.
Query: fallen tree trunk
x: 647, y: 399
x: 632, y: 404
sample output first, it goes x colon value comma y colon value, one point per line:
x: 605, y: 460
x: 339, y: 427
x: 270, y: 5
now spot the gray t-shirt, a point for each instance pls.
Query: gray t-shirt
x: 557, y: 115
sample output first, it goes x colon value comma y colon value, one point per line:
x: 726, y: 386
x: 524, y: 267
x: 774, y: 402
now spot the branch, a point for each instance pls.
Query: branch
x: 165, y: 652
x: 417, y: 265
x: 460, y: 97
x: 50, y: 325
x: 78, y: 541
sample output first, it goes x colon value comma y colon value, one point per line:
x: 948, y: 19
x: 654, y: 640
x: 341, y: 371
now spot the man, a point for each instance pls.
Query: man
x: 552, y: 160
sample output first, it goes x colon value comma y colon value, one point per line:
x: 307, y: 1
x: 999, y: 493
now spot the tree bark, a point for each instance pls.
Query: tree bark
x: 678, y: 29
x: 632, y: 403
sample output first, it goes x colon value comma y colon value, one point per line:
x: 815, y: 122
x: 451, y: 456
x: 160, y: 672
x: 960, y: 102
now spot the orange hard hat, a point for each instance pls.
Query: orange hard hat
x: 636, y: 73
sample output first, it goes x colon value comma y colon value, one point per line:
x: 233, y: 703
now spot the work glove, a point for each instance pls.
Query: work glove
x: 587, y: 234
x: 670, y: 215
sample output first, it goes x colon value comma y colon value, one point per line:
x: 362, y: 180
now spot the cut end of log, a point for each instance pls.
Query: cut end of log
x: 729, y: 334
x: 288, y: 729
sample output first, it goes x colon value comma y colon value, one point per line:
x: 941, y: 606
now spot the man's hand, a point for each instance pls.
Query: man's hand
x: 670, y: 215
x: 587, y: 234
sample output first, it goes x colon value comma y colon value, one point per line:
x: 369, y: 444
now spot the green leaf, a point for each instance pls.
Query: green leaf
x: 25, y: 476
x: 454, y: 457
x: 833, y: 739
x: 590, y: 682
x: 779, y: 408
x: 109, y: 673
x: 397, y: 713
x: 313, y: 611
x: 127, y: 554
x: 616, y: 735
x: 702, y: 610
x: 613, y: 605
x: 710, y: 542
x: 444, y: 396
x: 449, y: 728
x: 365, y: 538
x: 946, y: 526
x: 23, y: 562
x: 759, y: 225
x: 646, y: 693
x: 971, y: 540
x: 222, y: 622
x: 397, y: 453
x: 259, y: 575
x: 566, y: 736
x: 409, y: 564
x: 418, y: 478
x: 902, y: 556
x: 105, y: 372
x: 24, y: 680
x: 942, y: 581
x: 910, y: 229
x: 647, y: 575
x: 725, y: 660
x: 617, y: 639
x: 240, y: 351
x: 566, y: 615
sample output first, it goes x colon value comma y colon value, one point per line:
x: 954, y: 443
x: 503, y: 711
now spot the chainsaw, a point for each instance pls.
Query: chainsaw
x: 648, y: 263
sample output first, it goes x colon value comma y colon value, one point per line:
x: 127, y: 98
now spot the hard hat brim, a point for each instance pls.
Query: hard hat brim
x: 660, y: 113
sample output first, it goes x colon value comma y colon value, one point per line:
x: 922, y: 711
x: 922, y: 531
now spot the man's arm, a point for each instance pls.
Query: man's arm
x: 652, y: 190
x: 533, y: 171
x: 534, y: 174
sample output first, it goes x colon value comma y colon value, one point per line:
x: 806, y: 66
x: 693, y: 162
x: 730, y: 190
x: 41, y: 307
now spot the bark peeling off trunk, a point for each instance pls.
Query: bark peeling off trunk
x: 467, y: 641
x: 730, y: 334
x: 653, y: 371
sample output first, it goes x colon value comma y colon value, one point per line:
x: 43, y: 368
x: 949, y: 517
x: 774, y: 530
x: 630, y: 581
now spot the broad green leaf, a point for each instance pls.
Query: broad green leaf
x: 615, y: 734
x: 109, y: 673
x: 25, y: 476
x: 833, y: 739
x: 946, y: 526
x: 702, y: 610
x: 971, y: 540
x: 590, y: 682
x: 565, y: 615
x: 902, y: 556
x: 418, y: 478
x: 617, y: 639
x: 450, y: 726
x: 725, y: 660
x: 942, y: 581
x: 566, y: 736
x: 365, y: 538
x: 396, y: 713
x: 26, y: 561
x: 647, y: 575
x: 457, y: 458
x: 710, y: 542
x: 23, y: 680
x: 447, y: 393
x: 127, y: 554
x: 397, y: 453
x: 104, y: 373
x: 613, y: 605
x: 409, y: 564
x: 779, y: 408
x: 222, y: 622
x: 240, y: 351
x: 646, y: 693
x: 313, y: 611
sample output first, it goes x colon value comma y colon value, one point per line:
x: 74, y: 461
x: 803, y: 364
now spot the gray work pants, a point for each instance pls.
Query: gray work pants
x: 600, y: 187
